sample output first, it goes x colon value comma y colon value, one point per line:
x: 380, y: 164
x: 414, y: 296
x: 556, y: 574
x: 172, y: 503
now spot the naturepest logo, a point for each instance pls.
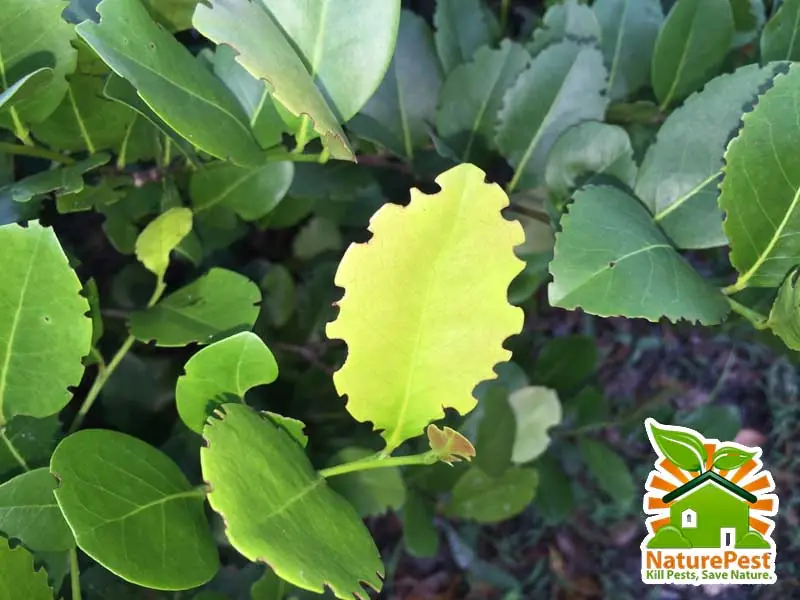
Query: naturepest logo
x: 709, y: 504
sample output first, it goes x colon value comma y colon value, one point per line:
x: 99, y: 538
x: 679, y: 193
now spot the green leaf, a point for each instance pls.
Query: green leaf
x: 344, y: 193
x: 265, y: 51
x: 462, y: 26
x: 587, y: 407
x: 280, y: 511
x: 485, y: 499
x: 33, y: 36
x: 729, y: 457
x: 161, y: 236
x: 250, y: 192
x: 587, y: 149
x: 371, y: 492
x: 496, y: 433
x: 175, y: 15
x: 419, y: 532
x: 315, y: 237
x: 170, y: 80
x: 473, y: 95
x: 133, y: 511
x: 42, y: 317
x: 609, y: 470
x: 29, y: 513
x: 218, y: 304
x: 635, y: 272
x: 719, y: 421
x: 683, y: 449
x: 536, y: 410
x: 19, y: 577
x: 268, y: 587
x: 26, y: 440
x: 397, y: 116
x: 346, y: 45
x: 85, y: 120
x: 253, y: 94
x: 749, y: 17
x: 780, y: 40
x: 26, y: 88
x: 679, y: 176
x: 279, y: 294
x: 784, y: 317
x: 567, y: 20
x: 565, y: 363
x: 562, y: 87
x: 420, y: 263
x: 760, y: 191
x: 120, y: 90
x: 220, y: 373
x: 629, y: 31
x: 554, y: 498
x: 690, y: 47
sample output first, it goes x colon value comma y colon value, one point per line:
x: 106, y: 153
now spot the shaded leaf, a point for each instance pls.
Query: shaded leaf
x: 784, y: 317
x: 473, y: 95
x: 133, y: 511
x: 485, y: 499
x: 222, y: 373
x: 759, y: 192
x: 587, y: 149
x: 562, y: 87
x: 279, y: 294
x: 371, y: 492
x: 175, y: 15
x: 33, y: 36
x: 629, y: 30
x: 721, y: 422
x: 419, y: 262
x: 268, y: 587
x: 315, y: 237
x: 462, y: 26
x: 609, y: 242
x: 343, y: 193
x: 419, y: 533
x: 567, y: 20
x: 25, y: 88
x: 218, y: 304
x: 780, y: 40
x: 19, y: 577
x: 536, y: 410
x: 29, y: 513
x: 250, y: 192
x: 565, y: 363
x: 264, y: 50
x: 284, y: 515
x: 678, y: 179
x: 161, y: 236
x: 170, y: 80
x: 729, y: 457
x: 496, y: 433
x: 397, y: 115
x: 749, y: 17
x: 29, y: 440
x: 683, y: 448
x: 587, y: 407
x: 42, y: 316
x: 690, y: 47
x: 346, y: 46
x: 554, y: 497
x: 609, y: 470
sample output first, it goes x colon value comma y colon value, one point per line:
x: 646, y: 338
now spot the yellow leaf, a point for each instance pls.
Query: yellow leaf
x: 161, y: 237
x: 425, y: 309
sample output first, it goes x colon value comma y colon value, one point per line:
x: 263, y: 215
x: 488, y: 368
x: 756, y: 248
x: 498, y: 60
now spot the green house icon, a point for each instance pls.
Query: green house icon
x: 708, y: 512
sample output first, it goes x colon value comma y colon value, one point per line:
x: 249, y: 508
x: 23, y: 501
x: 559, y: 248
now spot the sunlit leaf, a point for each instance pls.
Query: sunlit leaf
x: 42, y: 317
x: 536, y: 410
x: 277, y: 509
x: 161, y: 236
x: 25, y: 88
x: 221, y: 373
x: 133, y: 511
x: 19, y: 578
x: 421, y: 263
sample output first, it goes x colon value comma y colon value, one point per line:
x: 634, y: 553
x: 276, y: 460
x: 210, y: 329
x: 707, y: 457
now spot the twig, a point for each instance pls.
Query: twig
x: 36, y: 152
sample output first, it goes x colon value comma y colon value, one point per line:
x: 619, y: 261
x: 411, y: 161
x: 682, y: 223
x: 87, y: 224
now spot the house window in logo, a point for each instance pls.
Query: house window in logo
x: 688, y: 518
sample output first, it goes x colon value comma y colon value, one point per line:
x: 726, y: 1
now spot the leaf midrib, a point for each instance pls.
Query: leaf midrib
x: 617, y: 48
x: 227, y: 191
x: 15, y: 324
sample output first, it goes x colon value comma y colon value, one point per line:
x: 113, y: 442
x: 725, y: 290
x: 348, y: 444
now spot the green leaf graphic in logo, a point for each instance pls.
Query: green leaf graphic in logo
x: 683, y: 449
x: 728, y: 457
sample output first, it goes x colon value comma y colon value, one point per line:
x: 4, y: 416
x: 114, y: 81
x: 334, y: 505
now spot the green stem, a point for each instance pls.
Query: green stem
x: 505, y: 8
x: 378, y: 462
x: 35, y: 151
x: 104, y: 374
x: 302, y: 136
x: 74, y: 574
x: 284, y: 155
x: 758, y: 320
x: 12, y: 450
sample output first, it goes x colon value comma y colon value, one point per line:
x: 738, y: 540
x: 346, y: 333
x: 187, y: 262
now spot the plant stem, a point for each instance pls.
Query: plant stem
x: 758, y: 320
x: 505, y: 8
x: 104, y: 374
x: 36, y: 152
x: 282, y: 154
x: 74, y: 574
x: 12, y: 450
x: 378, y: 462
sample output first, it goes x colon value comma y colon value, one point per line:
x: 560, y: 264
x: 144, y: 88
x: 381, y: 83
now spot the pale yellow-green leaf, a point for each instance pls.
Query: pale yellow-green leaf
x: 425, y: 309
x: 161, y: 236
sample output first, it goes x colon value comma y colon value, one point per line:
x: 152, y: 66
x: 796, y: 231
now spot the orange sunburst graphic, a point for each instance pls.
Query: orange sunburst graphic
x: 667, y: 477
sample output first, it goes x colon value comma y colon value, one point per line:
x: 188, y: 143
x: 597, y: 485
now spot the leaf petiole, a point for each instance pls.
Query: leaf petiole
x: 758, y: 320
x: 74, y: 574
x: 377, y: 461
x: 36, y: 152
